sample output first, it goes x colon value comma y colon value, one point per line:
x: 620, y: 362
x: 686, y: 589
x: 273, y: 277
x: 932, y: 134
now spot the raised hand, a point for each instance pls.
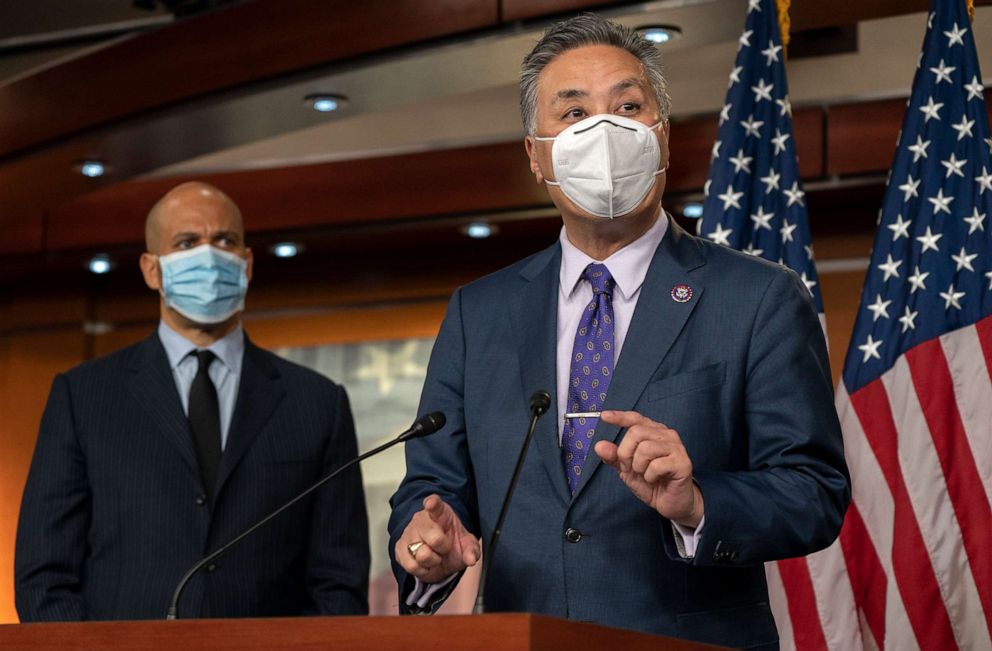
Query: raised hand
x: 435, y: 544
x: 654, y: 464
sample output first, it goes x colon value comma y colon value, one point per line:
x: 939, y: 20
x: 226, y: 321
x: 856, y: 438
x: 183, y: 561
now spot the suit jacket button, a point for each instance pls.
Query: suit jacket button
x: 201, y: 499
x: 573, y: 535
x: 211, y: 567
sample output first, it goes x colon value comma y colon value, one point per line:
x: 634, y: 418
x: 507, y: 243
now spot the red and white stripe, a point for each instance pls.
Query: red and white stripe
x: 912, y: 568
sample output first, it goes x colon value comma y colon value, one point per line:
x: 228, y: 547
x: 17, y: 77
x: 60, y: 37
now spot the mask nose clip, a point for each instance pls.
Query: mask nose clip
x: 603, y: 121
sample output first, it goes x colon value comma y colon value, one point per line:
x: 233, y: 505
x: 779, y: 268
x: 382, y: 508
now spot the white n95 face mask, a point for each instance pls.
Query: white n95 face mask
x: 606, y: 164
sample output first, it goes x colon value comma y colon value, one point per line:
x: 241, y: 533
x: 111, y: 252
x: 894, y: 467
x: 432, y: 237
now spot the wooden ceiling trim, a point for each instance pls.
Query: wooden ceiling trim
x: 692, y: 145
x: 492, y: 178
x: 483, y: 179
x: 804, y: 14
x: 22, y: 234
x: 861, y: 138
x: 526, y: 9
x: 244, y: 43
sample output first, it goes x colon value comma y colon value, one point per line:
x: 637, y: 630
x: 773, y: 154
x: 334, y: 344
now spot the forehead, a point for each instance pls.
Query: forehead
x: 199, y: 213
x: 591, y: 69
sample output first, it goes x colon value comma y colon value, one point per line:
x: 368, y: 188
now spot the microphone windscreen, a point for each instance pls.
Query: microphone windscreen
x: 540, y: 401
x: 429, y: 423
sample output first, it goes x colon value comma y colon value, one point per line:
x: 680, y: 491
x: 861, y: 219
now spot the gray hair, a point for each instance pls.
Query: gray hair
x: 582, y: 30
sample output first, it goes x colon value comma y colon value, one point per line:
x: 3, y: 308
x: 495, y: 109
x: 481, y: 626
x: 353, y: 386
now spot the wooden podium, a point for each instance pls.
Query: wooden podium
x: 503, y: 632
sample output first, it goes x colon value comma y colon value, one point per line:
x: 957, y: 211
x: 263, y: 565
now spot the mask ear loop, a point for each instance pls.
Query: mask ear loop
x: 669, y: 163
x: 547, y: 139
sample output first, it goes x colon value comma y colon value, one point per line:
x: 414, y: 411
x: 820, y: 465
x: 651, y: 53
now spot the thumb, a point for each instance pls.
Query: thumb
x: 607, y: 451
x: 471, y: 550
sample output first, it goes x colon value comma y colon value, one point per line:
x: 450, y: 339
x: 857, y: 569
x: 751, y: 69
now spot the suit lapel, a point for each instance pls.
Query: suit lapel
x: 154, y: 387
x: 534, y: 310
x: 259, y: 393
x: 657, y: 322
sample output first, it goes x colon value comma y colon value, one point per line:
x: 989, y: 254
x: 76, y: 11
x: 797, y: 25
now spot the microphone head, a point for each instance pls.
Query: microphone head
x: 427, y: 424
x: 540, y: 401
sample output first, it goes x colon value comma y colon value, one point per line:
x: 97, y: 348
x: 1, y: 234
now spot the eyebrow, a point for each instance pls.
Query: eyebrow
x: 617, y: 88
x: 229, y: 234
x: 178, y: 237
x: 630, y: 82
x: 569, y: 93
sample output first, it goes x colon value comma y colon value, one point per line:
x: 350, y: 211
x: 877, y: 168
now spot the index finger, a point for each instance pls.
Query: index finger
x: 434, y: 507
x: 625, y: 418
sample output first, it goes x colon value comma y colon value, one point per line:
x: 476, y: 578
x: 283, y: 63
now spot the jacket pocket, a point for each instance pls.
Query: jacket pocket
x: 700, y: 378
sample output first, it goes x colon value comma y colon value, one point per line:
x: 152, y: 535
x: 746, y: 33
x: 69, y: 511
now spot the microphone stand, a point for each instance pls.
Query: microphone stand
x: 422, y: 427
x: 540, y: 401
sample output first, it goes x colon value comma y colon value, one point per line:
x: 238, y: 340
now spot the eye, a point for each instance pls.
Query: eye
x: 184, y: 244
x: 628, y: 108
x: 574, y: 114
x: 225, y: 242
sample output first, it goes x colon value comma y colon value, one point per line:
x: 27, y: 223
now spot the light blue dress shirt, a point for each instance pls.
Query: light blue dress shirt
x: 225, y: 371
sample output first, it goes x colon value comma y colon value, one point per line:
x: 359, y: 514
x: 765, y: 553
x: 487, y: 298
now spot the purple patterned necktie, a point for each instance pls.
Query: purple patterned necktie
x: 592, y: 368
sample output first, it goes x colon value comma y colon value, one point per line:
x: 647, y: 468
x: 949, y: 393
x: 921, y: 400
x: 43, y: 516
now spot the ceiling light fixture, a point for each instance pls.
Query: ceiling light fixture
x: 325, y: 103
x: 91, y: 168
x: 479, y: 230
x: 286, y: 249
x: 660, y: 34
x: 100, y: 264
x: 693, y: 210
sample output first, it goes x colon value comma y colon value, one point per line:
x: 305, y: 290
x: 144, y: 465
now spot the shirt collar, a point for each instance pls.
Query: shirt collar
x: 628, y: 266
x: 229, y: 349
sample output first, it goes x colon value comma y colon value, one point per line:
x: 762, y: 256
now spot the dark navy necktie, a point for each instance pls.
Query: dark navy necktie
x: 591, y: 371
x: 204, y: 421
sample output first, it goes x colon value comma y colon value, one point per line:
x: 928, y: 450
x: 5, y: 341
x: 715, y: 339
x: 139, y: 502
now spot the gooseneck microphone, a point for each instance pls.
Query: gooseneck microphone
x: 423, y: 426
x: 540, y: 401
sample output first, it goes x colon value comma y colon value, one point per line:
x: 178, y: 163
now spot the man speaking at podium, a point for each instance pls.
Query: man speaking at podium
x: 152, y: 457
x: 693, y: 434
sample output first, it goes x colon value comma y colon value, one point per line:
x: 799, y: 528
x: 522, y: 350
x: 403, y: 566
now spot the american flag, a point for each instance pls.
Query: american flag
x: 913, y: 567
x: 754, y: 198
x: 755, y: 202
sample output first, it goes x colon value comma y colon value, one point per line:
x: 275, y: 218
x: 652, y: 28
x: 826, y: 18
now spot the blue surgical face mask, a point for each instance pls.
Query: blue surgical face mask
x: 205, y: 284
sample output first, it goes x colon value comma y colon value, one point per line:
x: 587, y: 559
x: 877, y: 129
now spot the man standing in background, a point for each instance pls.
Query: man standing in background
x: 152, y: 457
x: 695, y: 437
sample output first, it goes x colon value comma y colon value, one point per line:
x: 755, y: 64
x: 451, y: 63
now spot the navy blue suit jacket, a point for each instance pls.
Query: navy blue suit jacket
x: 740, y: 371
x: 113, y: 511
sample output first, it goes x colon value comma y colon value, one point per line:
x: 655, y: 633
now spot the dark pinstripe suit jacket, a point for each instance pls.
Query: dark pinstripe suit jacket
x: 113, y: 511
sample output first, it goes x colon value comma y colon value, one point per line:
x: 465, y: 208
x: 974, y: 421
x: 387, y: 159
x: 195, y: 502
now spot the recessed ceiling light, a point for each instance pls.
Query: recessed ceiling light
x: 659, y: 34
x: 100, y: 264
x: 325, y: 103
x: 693, y: 210
x: 479, y: 230
x: 92, y: 168
x: 286, y: 249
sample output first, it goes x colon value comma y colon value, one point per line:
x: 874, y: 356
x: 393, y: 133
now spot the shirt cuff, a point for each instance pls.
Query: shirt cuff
x: 421, y: 595
x: 686, y: 539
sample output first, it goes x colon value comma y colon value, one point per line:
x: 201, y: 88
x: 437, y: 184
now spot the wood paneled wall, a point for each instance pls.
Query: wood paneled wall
x: 40, y: 337
x: 29, y: 361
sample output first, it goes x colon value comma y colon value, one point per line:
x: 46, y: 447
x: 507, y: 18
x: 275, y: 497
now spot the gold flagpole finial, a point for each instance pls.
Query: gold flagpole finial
x: 784, y: 24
